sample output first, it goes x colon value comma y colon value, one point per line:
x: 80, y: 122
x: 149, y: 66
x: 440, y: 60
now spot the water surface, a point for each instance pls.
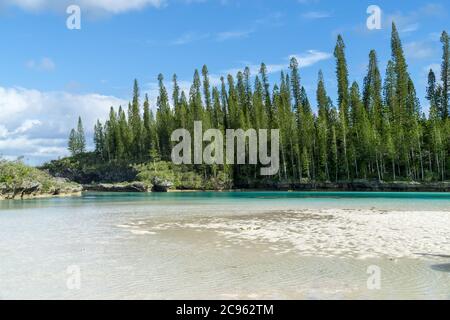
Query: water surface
x: 238, y: 245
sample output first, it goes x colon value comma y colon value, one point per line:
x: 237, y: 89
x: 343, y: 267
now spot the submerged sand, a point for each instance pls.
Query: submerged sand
x: 347, y: 233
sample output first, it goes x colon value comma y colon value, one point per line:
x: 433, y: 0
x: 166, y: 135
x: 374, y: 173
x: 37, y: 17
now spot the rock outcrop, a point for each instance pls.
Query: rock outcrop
x: 160, y: 185
x: 34, y: 189
x: 119, y: 187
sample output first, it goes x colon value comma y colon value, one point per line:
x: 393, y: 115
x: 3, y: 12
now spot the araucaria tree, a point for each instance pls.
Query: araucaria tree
x: 375, y: 130
x: 77, y: 139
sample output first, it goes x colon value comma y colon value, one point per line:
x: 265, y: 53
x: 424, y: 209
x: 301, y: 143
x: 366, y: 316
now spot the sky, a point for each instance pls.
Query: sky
x: 50, y: 75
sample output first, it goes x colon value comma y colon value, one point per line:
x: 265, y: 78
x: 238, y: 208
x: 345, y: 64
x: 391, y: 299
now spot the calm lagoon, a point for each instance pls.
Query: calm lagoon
x: 229, y: 245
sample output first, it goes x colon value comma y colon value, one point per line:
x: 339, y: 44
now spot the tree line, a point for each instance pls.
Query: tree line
x: 376, y: 131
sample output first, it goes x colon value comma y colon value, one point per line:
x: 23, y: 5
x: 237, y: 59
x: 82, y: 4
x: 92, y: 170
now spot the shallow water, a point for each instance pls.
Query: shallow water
x: 231, y: 245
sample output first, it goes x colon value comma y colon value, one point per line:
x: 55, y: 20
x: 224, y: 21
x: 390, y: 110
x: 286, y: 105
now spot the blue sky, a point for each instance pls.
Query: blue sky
x: 49, y: 74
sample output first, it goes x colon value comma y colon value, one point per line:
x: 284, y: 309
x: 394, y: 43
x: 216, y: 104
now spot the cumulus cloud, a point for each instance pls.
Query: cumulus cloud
x: 108, y: 6
x: 36, y: 124
x: 305, y: 59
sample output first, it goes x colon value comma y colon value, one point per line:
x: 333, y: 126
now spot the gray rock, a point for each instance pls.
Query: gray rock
x: 120, y: 187
x: 160, y: 185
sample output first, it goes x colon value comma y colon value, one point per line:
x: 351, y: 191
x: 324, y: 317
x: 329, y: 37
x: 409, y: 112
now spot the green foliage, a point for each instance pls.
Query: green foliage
x: 90, y: 168
x: 15, y: 173
x: 374, y: 131
x: 77, y: 139
x: 182, y: 177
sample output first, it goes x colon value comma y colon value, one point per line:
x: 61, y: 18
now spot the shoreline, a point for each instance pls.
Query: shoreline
x: 354, y: 186
x: 42, y: 196
x: 364, y: 187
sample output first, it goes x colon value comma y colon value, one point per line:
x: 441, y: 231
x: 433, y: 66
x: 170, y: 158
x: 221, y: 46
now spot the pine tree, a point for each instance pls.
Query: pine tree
x: 195, y: 99
x: 217, y: 118
x: 99, y: 139
x: 377, y: 133
x: 125, y: 138
x: 72, y: 144
x: 445, y: 76
x: 322, y: 128
x: 112, y: 136
x: 432, y: 90
x: 146, y: 129
x: 176, y: 92
x: 401, y: 116
x: 80, y: 137
x: 297, y: 108
x: 373, y: 104
x: 77, y: 140
x: 207, y: 115
x: 164, y: 120
x: 135, y: 124
x: 267, y: 97
x: 343, y: 101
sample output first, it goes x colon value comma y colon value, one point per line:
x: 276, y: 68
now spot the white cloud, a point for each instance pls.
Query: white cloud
x: 311, y: 57
x: 418, y: 50
x: 306, y: 59
x: 229, y: 35
x: 409, y: 22
x: 312, y: 15
x: 45, y: 64
x: 27, y: 125
x: 36, y: 124
x: 410, y: 28
x: 108, y: 6
x: 3, y: 131
x: 192, y: 36
x: 189, y: 37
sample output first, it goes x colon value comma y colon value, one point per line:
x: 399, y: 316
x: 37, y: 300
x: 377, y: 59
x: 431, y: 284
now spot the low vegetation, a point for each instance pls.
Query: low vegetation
x: 18, y: 180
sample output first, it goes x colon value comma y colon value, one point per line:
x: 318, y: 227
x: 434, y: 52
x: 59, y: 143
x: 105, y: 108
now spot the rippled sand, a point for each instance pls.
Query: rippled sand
x: 327, y: 233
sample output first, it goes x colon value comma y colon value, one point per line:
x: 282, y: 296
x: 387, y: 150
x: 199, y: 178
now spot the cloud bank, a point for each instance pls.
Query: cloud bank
x: 35, y: 124
x: 105, y: 6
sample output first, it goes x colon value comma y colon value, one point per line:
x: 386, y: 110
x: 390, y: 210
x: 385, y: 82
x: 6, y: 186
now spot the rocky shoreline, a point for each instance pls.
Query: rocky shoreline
x: 371, y: 186
x: 355, y: 186
x: 117, y: 187
x: 36, y: 190
x: 157, y: 185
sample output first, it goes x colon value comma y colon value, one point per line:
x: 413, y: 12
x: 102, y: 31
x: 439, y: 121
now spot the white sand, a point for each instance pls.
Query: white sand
x: 328, y: 233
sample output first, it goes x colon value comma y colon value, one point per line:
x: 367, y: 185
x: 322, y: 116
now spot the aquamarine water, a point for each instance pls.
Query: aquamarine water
x: 251, y: 245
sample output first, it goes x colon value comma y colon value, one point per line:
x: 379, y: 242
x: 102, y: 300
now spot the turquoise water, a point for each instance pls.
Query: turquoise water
x: 395, y: 200
x: 242, y: 245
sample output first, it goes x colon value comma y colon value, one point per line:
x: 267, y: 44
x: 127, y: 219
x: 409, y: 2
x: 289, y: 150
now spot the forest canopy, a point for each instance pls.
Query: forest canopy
x: 375, y: 130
